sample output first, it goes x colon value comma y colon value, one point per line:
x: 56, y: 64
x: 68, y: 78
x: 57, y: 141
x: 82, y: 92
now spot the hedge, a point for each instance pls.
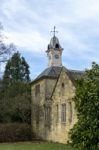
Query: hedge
x: 14, y: 132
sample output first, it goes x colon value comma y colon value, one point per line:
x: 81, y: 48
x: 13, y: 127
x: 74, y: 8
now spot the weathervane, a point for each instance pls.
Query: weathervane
x: 54, y: 31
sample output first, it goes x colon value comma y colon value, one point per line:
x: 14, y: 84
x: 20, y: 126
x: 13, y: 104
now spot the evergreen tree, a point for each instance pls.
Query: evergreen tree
x: 16, y: 70
x: 85, y: 134
x: 15, y: 93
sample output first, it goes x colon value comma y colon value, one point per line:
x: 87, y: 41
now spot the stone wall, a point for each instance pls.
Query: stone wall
x: 53, y: 92
x: 38, y: 106
x: 59, y: 130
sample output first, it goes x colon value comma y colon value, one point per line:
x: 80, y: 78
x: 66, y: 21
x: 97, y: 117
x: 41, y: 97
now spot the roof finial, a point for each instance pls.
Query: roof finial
x: 54, y: 31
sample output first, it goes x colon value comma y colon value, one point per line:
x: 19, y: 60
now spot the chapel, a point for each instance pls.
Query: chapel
x: 53, y: 110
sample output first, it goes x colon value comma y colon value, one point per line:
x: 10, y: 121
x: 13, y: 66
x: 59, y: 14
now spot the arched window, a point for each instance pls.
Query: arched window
x: 47, y: 116
x: 63, y: 85
x: 63, y: 113
x: 37, y: 113
x: 57, y: 46
x: 70, y: 112
x: 48, y: 46
x: 57, y: 113
x: 37, y: 90
x: 62, y: 88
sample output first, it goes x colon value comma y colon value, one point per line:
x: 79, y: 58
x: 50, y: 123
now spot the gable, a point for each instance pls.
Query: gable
x: 56, y: 76
x: 64, y: 85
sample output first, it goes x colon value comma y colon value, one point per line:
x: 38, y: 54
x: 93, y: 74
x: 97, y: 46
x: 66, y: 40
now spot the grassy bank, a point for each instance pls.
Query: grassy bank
x: 34, y: 146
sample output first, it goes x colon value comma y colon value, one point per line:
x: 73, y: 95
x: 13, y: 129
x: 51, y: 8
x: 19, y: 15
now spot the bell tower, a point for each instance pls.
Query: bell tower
x: 54, y: 51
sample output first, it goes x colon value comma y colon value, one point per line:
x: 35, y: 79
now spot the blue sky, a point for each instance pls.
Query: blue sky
x: 27, y: 23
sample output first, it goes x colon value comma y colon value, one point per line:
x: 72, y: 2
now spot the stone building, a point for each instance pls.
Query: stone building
x: 53, y: 110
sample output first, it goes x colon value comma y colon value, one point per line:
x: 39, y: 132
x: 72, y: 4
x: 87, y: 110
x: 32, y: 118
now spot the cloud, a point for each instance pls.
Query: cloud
x: 11, y: 7
x: 28, y: 25
x: 32, y: 41
x: 86, y: 10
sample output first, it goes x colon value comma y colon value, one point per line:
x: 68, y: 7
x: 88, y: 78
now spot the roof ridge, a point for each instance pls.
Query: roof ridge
x: 54, y: 70
x: 72, y: 70
x: 49, y: 69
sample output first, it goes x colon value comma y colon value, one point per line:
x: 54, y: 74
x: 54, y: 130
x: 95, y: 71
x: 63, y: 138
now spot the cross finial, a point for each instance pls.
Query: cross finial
x: 54, y: 31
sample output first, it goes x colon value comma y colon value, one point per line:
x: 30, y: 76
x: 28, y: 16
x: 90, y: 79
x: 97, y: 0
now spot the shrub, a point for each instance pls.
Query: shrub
x: 85, y: 134
x: 14, y: 132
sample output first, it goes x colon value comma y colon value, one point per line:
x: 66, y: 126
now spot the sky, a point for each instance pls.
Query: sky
x: 27, y: 23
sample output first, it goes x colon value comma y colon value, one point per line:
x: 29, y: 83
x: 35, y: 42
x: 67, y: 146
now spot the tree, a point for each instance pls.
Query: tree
x: 16, y: 70
x: 15, y: 94
x: 15, y: 103
x: 5, y: 50
x: 85, y: 134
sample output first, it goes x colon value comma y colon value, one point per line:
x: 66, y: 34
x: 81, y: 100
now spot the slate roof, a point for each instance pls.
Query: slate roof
x: 74, y: 75
x: 54, y: 72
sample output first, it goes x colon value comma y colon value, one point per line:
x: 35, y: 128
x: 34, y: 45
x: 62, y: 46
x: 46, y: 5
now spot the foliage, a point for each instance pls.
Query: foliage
x: 14, y: 132
x: 15, y: 93
x: 16, y: 70
x: 15, y: 103
x: 85, y: 134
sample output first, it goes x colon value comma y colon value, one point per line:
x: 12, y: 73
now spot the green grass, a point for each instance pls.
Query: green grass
x: 34, y: 146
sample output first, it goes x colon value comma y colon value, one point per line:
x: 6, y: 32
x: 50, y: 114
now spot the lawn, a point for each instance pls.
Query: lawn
x: 35, y: 146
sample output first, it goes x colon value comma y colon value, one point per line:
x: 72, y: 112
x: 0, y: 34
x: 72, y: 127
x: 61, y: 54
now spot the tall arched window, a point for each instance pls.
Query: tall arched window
x: 47, y: 116
x: 57, y: 113
x: 37, y: 90
x: 63, y: 113
x: 62, y: 88
x: 70, y: 112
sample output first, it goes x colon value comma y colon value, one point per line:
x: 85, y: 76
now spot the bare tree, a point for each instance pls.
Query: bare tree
x: 5, y: 50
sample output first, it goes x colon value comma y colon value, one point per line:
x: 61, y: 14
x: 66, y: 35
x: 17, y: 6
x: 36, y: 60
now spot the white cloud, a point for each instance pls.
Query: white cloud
x: 11, y: 7
x: 86, y: 9
x: 28, y: 23
x: 32, y: 41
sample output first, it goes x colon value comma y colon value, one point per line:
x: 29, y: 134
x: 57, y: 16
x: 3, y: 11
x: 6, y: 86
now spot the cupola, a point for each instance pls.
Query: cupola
x: 54, y: 51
